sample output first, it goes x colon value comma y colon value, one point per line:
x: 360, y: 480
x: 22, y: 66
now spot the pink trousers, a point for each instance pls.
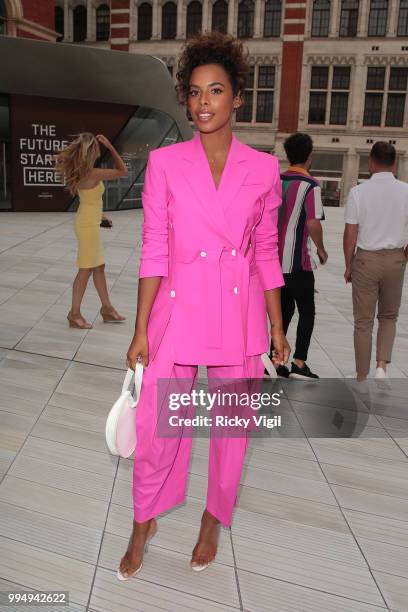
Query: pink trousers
x: 161, y: 464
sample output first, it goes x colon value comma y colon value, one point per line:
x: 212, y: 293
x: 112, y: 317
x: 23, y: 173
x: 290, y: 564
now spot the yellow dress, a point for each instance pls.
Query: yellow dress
x: 87, y: 227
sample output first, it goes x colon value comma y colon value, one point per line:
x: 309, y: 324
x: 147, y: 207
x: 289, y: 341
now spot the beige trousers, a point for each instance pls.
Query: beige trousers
x: 377, y: 278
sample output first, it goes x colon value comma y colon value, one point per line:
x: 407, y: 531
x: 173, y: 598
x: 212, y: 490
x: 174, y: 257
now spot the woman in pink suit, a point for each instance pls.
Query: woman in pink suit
x: 209, y: 272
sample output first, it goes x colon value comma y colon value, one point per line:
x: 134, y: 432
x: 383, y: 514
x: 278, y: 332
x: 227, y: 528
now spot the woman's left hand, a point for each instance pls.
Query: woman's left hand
x: 282, y: 349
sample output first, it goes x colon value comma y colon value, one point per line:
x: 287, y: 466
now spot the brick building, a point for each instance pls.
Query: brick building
x: 337, y: 69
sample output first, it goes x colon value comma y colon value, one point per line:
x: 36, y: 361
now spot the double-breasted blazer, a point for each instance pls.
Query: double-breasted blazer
x: 215, y: 249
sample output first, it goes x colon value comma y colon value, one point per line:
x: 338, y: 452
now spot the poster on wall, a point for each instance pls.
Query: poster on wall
x: 40, y: 127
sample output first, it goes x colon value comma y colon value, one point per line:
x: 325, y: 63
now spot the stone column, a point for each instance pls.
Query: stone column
x: 180, y: 12
x: 403, y: 168
x: 155, y: 20
x: 334, y: 19
x: 205, y: 22
x: 257, y: 19
x: 392, y: 21
x: 159, y: 19
x: 67, y: 10
x: 362, y: 27
x: 350, y: 175
x: 89, y: 36
x: 232, y: 26
x: 357, y: 94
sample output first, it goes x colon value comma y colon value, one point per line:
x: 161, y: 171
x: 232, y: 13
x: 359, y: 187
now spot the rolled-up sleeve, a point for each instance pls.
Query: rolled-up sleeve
x: 154, y: 259
x: 266, y: 236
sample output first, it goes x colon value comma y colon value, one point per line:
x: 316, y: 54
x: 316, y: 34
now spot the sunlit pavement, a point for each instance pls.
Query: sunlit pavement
x: 321, y: 524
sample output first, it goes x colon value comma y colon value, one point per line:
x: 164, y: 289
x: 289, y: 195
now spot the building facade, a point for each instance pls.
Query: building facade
x: 337, y: 69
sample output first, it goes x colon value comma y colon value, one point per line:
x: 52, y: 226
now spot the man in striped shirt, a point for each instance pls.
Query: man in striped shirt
x: 299, y: 224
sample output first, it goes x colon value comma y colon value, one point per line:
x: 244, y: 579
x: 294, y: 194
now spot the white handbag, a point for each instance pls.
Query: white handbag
x: 120, y: 430
x: 269, y: 367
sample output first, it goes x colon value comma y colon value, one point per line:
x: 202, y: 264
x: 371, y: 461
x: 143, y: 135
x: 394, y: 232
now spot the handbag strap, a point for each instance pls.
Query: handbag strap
x: 269, y: 367
x: 138, y: 374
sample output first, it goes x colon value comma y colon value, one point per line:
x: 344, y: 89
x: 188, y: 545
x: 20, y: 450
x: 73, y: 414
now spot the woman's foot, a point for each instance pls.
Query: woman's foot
x: 206, y: 548
x: 77, y: 321
x: 110, y: 315
x: 131, y: 563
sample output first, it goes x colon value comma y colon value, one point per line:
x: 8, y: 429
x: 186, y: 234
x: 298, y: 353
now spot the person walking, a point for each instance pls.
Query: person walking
x: 299, y: 223
x: 76, y: 162
x: 209, y: 273
x: 376, y: 252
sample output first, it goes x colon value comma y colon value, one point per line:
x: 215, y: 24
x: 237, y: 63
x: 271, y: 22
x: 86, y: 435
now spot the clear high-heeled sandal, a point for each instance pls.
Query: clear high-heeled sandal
x: 127, y: 576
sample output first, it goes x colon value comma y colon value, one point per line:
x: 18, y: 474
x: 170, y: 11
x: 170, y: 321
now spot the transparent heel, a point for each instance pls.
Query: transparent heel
x: 126, y: 576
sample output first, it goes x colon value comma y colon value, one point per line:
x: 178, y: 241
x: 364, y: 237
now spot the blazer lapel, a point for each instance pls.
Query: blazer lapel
x: 197, y: 173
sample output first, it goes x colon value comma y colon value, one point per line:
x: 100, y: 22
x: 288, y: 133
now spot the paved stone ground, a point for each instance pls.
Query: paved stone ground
x: 322, y: 524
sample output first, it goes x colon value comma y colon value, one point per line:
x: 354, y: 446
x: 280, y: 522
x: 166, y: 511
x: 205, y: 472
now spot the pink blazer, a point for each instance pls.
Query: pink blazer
x: 216, y: 251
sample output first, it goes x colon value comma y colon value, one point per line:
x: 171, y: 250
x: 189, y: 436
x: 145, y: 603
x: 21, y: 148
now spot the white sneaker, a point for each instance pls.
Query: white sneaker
x: 380, y: 373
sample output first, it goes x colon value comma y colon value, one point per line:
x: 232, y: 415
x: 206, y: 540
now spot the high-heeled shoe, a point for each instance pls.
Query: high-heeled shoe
x: 126, y: 576
x: 78, y: 322
x: 111, y: 316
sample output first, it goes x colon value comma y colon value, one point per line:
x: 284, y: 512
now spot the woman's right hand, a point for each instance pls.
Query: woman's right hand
x: 139, y: 348
x: 103, y: 140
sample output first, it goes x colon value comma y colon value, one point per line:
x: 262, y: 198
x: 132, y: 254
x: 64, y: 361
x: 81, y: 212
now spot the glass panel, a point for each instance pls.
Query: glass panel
x: 372, y: 109
x: 220, y: 16
x: 5, y: 155
x: 102, y: 22
x: 375, y: 78
x: 395, y: 110
x: 144, y: 21
x: 317, y: 107
x: 273, y: 18
x: 266, y: 76
x: 79, y: 24
x: 244, y: 113
x: 246, y: 10
x: 341, y: 77
x: 59, y: 22
x: 338, y: 109
x: 264, y: 106
x: 398, y: 79
x: 377, y: 23
x: 349, y: 18
x: 321, y: 18
x: 169, y: 21
x: 320, y: 77
x: 403, y: 19
x: 194, y: 16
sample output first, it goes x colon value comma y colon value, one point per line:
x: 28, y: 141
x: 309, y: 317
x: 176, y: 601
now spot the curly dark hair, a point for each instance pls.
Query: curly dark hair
x: 213, y: 48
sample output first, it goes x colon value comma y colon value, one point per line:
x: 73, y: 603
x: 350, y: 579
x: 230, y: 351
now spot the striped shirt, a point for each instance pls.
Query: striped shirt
x: 301, y: 202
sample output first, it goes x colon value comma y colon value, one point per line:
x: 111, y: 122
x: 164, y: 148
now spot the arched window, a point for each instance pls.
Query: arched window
x: 194, y: 17
x: 220, y: 16
x: 102, y: 22
x: 349, y: 18
x: 246, y: 12
x: 169, y: 21
x: 377, y: 22
x: 144, y: 21
x: 403, y: 19
x: 59, y: 22
x: 321, y: 18
x: 273, y: 18
x: 79, y: 23
x: 3, y: 26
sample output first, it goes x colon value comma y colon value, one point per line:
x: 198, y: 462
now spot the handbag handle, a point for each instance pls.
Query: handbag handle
x: 269, y: 367
x: 138, y: 374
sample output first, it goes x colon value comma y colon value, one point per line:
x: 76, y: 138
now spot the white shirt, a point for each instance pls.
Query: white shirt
x: 380, y: 208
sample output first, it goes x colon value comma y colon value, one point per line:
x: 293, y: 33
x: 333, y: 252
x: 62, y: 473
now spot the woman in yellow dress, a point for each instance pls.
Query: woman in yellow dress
x: 77, y: 162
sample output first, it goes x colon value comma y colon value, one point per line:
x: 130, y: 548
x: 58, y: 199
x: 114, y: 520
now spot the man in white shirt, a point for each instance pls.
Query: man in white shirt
x: 376, y: 219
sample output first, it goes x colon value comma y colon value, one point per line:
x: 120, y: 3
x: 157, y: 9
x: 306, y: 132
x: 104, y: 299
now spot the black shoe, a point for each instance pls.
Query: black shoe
x: 282, y: 371
x: 302, y: 373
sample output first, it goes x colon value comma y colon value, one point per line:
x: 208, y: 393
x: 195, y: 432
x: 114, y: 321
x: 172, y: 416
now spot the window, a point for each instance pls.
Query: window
x: 144, y: 21
x: 79, y: 24
x: 322, y: 96
x: 258, y: 96
x: 3, y: 18
x: 273, y: 18
x: 220, y: 16
x: 403, y: 19
x: 169, y: 21
x: 349, y: 18
x: 377, y: 23
x: 245, y: 19
x: 59, y: 22
x: 194, y: 17
x: 102, y: 22
x: 321, y: 18
x: 393, y: 97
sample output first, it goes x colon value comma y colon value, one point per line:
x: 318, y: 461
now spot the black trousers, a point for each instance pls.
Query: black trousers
x: 299, y: 290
